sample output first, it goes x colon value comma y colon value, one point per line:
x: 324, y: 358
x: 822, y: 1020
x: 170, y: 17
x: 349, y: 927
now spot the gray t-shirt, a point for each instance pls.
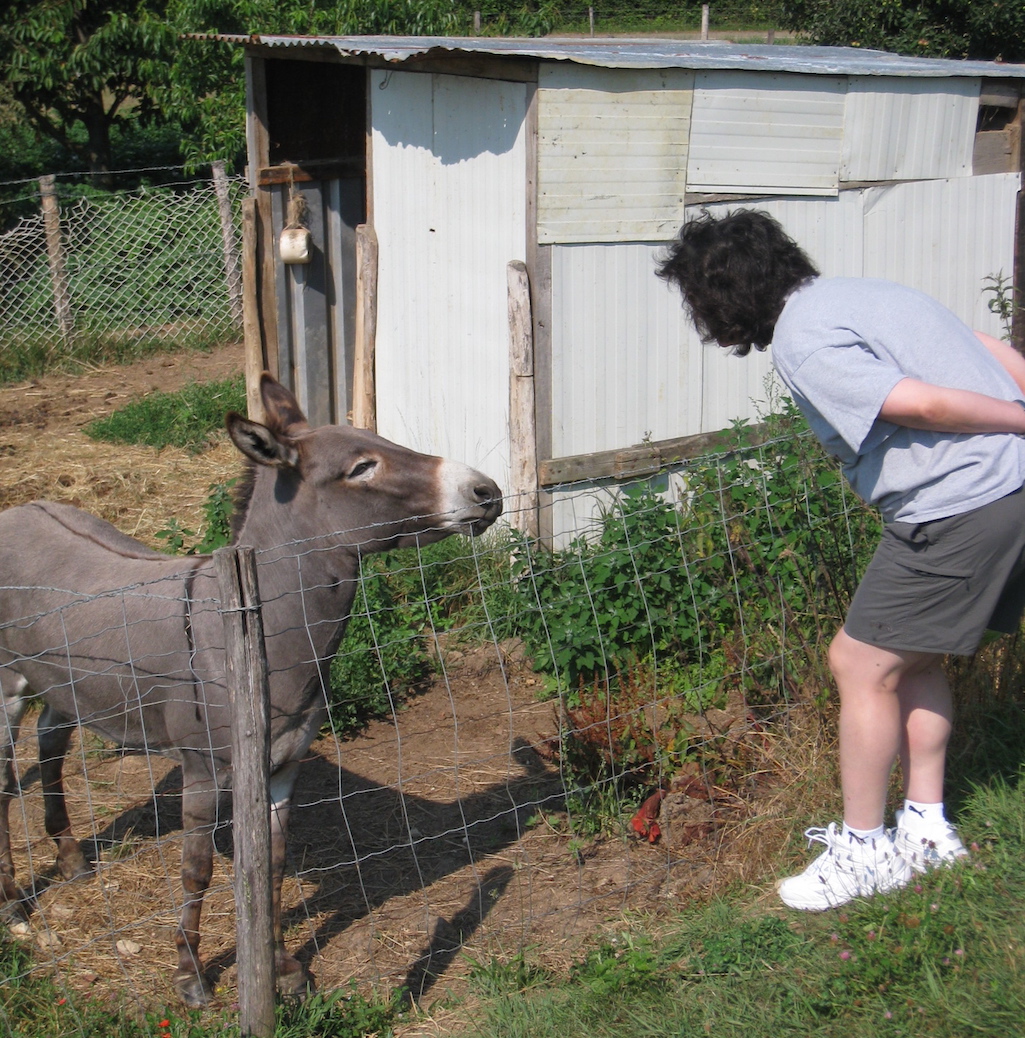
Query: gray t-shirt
x: 841, y: 345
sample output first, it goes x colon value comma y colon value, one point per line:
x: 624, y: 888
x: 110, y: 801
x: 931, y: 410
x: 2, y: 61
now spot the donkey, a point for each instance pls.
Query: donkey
x: 130, y: 642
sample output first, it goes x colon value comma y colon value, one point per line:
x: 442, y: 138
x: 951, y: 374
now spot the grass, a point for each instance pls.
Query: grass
x: 183, y: 419
x: 28, y: 357
x: 944, y: 958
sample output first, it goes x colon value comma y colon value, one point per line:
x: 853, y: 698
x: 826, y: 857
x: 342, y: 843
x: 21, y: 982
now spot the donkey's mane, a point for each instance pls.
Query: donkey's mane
x: 242, y: 497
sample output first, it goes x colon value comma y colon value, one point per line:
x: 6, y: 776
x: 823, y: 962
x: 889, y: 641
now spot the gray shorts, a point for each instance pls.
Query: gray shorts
x: 938, y: 586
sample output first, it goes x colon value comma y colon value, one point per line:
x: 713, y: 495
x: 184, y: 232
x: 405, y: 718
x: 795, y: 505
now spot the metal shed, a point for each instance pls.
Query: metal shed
x: 462, y: 194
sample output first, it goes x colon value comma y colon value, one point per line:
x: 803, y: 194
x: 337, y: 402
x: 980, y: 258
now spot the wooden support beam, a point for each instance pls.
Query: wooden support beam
x: 640, y: 461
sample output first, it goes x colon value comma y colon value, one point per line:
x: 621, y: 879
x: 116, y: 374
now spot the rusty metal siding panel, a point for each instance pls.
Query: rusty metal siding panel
x: 450, y: 213
x: 909, y: 129
x: 612, y: 153
x: 771, y: 132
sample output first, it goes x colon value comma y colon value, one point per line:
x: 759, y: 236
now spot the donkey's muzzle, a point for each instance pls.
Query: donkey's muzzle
x: 489, y: 499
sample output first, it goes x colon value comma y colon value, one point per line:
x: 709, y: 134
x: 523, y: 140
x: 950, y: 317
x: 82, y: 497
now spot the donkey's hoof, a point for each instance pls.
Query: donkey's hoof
x: 73, y: 866
x: 193, y: 990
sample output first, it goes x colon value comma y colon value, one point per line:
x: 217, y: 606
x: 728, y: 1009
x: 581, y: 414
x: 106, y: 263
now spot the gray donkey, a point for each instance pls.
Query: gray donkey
x: 130, y: 642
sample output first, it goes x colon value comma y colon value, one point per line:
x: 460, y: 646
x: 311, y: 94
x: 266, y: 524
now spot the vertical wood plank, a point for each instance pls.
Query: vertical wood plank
x: 254, y: 359
x: 246, y: 676
x: 364, y: 381
x: 522, y: 431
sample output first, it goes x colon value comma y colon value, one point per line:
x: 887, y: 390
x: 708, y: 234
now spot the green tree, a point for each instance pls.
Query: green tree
x: 207, y: 87
x: 79, y: 68
x: 994, y: 29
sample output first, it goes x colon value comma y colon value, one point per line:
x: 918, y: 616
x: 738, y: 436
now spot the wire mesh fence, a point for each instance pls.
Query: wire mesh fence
x: 519, y: 743
x: 122, y: 271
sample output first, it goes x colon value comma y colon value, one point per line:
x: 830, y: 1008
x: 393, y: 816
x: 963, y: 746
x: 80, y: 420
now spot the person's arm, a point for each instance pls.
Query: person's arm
x: 1010, y: 359
x: 921, y: 405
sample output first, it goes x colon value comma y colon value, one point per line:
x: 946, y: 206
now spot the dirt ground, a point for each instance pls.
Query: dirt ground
x: 427, y: 841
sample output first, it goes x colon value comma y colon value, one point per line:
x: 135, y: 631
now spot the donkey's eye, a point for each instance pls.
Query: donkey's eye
x: 363, y: 468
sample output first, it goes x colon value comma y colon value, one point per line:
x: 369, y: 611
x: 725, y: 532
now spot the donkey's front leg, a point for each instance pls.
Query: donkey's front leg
x: 199, y: 810
x: 54, y: 731
x: 12, y: 708
x: 292, y: 979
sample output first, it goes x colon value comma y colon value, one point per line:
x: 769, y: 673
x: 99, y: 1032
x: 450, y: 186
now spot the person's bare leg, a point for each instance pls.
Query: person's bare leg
x: 881, y: 692
x: 927, y: 711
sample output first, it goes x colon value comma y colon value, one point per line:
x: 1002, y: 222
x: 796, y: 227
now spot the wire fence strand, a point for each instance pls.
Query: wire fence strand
x: 476, y: 784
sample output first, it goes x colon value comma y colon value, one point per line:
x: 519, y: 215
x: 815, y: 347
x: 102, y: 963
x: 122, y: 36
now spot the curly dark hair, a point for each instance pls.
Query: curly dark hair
x: 735, y: 273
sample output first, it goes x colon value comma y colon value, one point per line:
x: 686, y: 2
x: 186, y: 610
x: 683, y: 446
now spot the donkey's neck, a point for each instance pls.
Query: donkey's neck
x: 308, y: 576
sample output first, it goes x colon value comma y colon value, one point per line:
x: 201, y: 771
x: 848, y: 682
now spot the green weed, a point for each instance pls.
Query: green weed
x: 216, y: 532
x: 186, y: 419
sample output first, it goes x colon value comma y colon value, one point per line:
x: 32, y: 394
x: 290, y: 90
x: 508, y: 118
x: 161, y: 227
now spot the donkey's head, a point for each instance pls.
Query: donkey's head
x: 350, y: 485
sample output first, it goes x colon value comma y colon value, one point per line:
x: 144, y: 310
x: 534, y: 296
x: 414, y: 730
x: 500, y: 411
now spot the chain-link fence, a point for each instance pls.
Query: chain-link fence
x: 112, y: 273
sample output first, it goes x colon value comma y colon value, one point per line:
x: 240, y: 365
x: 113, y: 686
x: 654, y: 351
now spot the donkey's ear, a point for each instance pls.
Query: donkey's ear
x: 281, y: 408
x: 260, y: 444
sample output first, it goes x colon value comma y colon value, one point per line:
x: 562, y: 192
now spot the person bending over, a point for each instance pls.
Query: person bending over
x: 926, y: 418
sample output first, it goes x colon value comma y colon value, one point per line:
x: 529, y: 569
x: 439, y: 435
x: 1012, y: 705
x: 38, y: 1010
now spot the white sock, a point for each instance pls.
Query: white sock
x: 920, y: 818
x: 863, y: 834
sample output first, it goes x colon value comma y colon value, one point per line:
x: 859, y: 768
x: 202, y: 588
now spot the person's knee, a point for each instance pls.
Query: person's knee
x: 842, y: 657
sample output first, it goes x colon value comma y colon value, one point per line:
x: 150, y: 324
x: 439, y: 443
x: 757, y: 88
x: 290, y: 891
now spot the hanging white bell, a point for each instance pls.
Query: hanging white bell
x: 295, y: 245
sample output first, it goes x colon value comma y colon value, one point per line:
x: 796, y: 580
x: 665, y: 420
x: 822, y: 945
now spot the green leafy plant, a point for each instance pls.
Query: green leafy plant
x: 217, y: 512
x: 184, y: 419
x: 675, y: 603
x: 1001, y: 301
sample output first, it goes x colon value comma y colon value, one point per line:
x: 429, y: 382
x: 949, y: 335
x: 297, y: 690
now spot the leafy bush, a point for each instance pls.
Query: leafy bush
x: 216, y: 532
x: 675, y: 603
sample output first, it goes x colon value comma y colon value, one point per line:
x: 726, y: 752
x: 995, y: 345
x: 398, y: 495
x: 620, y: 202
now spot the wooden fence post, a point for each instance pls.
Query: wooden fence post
x: 364, y: 380
x: 55, y: 256
x: 231, y: 264
x: 252, y: 335
x: 246, y: 675
x: 522, y: 428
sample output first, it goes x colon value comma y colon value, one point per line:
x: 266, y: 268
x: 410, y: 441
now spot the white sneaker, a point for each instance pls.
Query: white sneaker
x: 848, y: 868
x: 925, y: 851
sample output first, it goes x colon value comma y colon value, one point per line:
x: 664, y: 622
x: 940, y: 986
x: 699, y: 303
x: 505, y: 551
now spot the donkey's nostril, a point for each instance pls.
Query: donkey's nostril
x: 488, y: 496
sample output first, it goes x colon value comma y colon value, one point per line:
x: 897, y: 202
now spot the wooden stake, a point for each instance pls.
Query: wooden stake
x: 364, y: 377
x: 522, y: 427
x: 255, y: 361
x: 55, y: 256
x: 246, y: 676
x: 231, y: 264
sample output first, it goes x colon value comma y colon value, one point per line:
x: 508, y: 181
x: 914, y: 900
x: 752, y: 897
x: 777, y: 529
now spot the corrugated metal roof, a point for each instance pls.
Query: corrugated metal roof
x: 624, y: 52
